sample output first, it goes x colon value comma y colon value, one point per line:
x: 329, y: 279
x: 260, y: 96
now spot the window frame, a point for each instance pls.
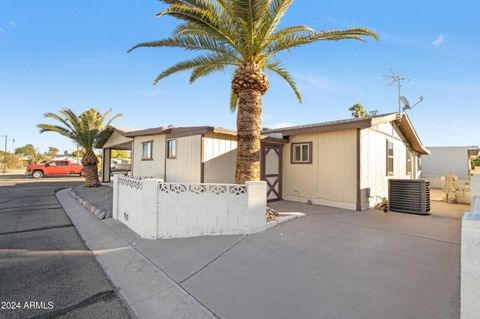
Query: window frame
x: 389, y: 157
x: 310, y: 153
x: 409, y: 162
x: 151, y: 151
x: 168, y: 155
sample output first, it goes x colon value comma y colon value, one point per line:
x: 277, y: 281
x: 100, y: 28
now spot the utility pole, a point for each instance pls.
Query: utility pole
x: 5, y: 155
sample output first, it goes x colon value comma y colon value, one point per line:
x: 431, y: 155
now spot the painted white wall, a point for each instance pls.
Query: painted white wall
x: 151, y: 168
x: 470, y: 266
x: 219, y: 157
x: 373, y: 175
x: 331, y: 178
x: 446, y: 160
x: 154, y: 209
x: 127, y: 202
x: 186, y: 167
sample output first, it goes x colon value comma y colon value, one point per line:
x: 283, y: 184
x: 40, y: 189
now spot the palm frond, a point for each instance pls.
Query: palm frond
x: 294, y: 40
x: 233, y: 101
x: 202, y: 71
x: 201, y: 61
x: 284, y: 74
x: 191, y: 43
x: 56, y: 128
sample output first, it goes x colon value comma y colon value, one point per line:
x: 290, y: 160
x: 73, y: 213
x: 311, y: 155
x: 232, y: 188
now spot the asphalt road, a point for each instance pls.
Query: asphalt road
x: 46, y: 271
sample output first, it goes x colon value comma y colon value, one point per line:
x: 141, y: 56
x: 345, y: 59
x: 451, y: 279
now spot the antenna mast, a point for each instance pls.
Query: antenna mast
x: 396, y: 78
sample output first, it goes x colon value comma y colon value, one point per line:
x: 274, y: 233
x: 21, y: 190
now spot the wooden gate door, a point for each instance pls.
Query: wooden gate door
x: 272, y: 170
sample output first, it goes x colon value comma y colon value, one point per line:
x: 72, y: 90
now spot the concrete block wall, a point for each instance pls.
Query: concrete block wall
x: 154, y: 209
x: 130, y: 203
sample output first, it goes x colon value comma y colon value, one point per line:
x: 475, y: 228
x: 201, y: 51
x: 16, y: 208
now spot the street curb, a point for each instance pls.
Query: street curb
x: 144, y: 287
x: 100, y: 214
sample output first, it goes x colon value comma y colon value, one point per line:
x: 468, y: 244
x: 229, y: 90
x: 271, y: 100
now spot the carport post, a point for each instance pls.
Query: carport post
x: 107, y: 154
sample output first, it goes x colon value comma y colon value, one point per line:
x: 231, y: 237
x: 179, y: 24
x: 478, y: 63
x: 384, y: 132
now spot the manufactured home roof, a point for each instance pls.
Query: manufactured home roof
x: 402, y: 120
x: 194, y: 130
x: 181, y: 131
x: 332, y: 125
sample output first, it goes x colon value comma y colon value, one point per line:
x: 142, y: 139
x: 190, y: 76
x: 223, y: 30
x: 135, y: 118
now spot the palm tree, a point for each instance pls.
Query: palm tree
x: 242, y: 34
x: 358, y: 111
x: 86, y: 130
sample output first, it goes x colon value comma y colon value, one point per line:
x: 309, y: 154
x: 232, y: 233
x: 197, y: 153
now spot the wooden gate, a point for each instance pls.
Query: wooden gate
x: 272, y: 170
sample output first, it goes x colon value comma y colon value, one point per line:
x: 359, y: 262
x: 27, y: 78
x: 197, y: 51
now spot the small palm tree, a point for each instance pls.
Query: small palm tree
x: 358, y: 111
x: 242, y: 34
x: 86, y: 130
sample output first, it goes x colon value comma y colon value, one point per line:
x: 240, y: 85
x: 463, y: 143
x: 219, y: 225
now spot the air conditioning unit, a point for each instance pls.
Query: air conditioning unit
x: 409, y: 196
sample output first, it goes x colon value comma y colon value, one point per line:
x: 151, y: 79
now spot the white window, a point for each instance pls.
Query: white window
x: 409, y: 162
x: 301, y: 153
x: 171, y: 149
x: 147, y: 148
x: 390, y: 158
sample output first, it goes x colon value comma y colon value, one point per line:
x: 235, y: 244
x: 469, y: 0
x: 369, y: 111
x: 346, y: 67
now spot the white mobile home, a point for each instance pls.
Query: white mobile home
x: 347, y: 163
x: 343, y: 164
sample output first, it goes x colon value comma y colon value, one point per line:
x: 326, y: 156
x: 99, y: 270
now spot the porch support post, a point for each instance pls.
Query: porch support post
x: 107, y: 154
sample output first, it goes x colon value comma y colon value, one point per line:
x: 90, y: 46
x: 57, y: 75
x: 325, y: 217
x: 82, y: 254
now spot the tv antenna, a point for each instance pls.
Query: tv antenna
x: 396, y: 78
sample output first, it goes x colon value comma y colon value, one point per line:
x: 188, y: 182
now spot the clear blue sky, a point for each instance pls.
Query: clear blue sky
x: 57, y: 53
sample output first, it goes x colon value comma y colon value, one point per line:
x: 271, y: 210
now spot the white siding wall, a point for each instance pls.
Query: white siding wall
x: 331, y: 178
x: 446, y: 160
x: 219, y: 156
x: 374, y: 179
x: 186, y: 167
x: 116, y: 139
x: 150, y: 168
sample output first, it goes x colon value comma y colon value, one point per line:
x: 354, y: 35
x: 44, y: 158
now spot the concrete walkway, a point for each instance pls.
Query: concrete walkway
x: 333, y: 263
x: 149, y: 291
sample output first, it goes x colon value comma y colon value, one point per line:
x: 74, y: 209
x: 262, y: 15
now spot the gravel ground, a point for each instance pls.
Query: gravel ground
x: 100, y: 197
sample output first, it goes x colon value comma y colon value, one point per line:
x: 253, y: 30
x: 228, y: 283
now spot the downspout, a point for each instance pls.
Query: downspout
x: 359, y: 166
x: 165, y: 159
x: 202, y: 163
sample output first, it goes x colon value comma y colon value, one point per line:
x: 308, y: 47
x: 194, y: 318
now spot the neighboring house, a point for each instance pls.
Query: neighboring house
x: 343, y: 164
x: 449, y: 160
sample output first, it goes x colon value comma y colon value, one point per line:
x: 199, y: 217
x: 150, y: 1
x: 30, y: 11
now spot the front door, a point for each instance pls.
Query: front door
x: 272, y: 170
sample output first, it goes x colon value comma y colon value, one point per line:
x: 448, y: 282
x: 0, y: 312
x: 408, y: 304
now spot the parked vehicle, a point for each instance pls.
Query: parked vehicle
x: 55, y: 167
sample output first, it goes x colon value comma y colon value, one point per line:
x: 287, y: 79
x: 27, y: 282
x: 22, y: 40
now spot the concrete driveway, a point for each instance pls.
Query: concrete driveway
x: 332, y: 263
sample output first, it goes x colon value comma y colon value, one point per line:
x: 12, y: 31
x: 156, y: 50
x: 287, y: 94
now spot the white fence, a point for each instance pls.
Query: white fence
x: 154, y: 209
x: 470, y: 294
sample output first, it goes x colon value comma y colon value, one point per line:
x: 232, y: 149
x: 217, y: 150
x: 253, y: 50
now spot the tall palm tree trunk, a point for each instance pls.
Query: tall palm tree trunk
x: 248, y: 136
x: 90, y: 168
x: 249, y: 84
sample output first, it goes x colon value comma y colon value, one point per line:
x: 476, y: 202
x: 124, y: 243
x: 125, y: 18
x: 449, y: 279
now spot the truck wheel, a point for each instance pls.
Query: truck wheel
x: 37, y: 174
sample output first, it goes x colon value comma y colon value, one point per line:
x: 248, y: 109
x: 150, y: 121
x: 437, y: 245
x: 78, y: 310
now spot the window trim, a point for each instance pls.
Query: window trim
x: 151, y: 151
x: 388, y: 157
x: 409, y: 159
x: 168, y: 149
x: 310, y: 153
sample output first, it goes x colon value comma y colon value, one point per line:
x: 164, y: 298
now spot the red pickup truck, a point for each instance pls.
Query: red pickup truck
x: 55, y: 167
